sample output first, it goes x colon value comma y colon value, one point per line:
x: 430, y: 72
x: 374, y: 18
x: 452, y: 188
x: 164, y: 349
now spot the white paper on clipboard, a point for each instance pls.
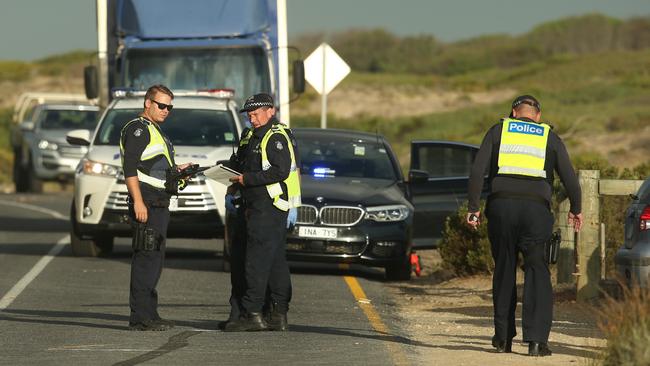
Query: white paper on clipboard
x: 221, y: 174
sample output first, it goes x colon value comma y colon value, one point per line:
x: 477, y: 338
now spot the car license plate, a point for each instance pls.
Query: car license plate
x: 173, y: 203
x: 317, y: 232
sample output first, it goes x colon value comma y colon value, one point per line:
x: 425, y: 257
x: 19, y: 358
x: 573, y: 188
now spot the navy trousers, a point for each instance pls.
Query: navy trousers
x: 519, y: 225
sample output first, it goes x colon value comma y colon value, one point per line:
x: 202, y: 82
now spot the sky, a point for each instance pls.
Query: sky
x: 32, y: 29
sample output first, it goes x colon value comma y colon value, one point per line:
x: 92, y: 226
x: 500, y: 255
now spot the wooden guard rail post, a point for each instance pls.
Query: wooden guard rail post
x: 580, y: 259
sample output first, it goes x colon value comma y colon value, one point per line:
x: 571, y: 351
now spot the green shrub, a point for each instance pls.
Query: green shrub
x: 463, y: 250
x: 626, y: 326
x: 14, y: 71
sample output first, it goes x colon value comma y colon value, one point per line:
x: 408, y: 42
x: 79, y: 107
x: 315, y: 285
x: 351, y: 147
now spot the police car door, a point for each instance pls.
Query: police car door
x: 438, y: 186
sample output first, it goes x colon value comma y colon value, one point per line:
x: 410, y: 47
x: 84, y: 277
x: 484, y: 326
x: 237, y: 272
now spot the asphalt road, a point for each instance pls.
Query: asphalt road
x: 75, y: 310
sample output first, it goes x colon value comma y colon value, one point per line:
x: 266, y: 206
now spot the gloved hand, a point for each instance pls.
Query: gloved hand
x: 292, y: 217
x: 230, y: 205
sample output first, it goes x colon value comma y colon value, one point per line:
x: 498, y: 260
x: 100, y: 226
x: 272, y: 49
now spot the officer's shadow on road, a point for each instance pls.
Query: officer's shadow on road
x: 96, y: 320
x: 357, y: 333
x: 469, y: 343
x: 70, y: 318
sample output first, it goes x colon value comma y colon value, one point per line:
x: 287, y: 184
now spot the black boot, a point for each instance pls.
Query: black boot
x: 249, y: 323
x: 538, y: 349
x: 502, y: 346
x: 278, y: 321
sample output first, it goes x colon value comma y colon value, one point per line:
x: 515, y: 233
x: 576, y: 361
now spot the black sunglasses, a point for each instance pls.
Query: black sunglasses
x: 163, y: 105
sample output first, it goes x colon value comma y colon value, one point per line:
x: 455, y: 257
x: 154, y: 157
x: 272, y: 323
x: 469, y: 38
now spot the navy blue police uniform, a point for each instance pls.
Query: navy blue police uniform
x: 520, y: 221
x: 146, y: 265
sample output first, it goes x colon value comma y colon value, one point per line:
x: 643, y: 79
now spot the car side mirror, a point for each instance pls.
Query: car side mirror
x: 418, y: 176
x: 298, y: 77
x: 78, y: 137
x: 27, y: 126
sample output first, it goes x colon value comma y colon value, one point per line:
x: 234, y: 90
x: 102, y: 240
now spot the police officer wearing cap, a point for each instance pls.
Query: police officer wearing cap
x: 147, y: 157
x: 521, y: 154
x: 270, y: 188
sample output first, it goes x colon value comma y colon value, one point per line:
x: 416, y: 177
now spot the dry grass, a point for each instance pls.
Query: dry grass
x: 625, y: 322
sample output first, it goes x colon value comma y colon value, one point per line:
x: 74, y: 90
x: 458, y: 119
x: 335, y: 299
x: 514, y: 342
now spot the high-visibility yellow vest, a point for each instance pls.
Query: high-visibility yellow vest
x: 292, y: 181
x: 156, y: 147
x: 523, y: 148
x: 246, y: 138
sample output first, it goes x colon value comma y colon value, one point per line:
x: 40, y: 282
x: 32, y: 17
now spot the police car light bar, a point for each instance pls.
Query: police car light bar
x: 215, y: 93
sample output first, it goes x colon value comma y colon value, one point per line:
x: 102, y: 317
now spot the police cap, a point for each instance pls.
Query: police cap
x: 257, y: 101
x: 526, y: 99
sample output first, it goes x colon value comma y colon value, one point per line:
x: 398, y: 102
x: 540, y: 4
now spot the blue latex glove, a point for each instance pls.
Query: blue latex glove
x: 292, y: 217
x: 230, y: 205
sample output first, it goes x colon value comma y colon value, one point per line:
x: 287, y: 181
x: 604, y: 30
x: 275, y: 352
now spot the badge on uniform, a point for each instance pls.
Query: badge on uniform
x: 278, y: 145
x: 137, y: 132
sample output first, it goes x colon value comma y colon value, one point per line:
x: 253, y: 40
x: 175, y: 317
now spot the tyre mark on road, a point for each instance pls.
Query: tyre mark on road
x: 396, y: 352
x: 174, y: 343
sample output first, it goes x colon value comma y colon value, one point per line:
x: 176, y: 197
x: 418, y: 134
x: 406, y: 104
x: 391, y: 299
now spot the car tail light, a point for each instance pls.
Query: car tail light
x: 644, y: 220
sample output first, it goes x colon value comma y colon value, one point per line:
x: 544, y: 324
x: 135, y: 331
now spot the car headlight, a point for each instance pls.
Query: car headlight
x: 47, y: 145
x: 96, y: 168
x: 387, y: 213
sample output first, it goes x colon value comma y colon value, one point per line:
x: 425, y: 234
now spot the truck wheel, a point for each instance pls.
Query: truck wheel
x: 399, y: 271
x: 87, y: 247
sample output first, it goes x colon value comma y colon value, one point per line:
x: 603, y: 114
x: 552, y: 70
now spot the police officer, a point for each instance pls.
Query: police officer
x: 236, y: 232
x: 522, y: 154
x: 270, y: 188
x: 147, y: 157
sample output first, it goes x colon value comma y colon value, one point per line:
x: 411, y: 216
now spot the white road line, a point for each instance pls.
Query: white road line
x: 43, y: 210
x: 12, y: 294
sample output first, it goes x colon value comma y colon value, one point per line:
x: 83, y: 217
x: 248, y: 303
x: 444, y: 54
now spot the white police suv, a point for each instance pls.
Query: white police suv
x: 204, y: 127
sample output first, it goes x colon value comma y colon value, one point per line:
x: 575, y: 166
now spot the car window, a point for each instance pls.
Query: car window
x: 344, y: 157
x: 190, y: 127
x: 445, y: 161
x: 60, y: 119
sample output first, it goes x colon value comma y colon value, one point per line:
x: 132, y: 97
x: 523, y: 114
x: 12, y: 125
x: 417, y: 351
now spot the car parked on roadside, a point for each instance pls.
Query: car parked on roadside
x: 204, y: 127
x: 41, y: 152
x: 632, y: 260
x: 357, y: 207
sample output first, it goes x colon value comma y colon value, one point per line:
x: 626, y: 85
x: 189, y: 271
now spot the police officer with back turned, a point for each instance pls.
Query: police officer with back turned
x: 522, y: 154
x: 270, y: 187
x: 147, y: 159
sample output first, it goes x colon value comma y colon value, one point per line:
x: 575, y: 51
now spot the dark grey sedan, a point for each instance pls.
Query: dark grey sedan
x: 633, y: 258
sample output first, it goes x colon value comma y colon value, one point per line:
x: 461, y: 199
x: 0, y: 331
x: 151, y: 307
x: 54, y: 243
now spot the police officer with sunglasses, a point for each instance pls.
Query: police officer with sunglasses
x: 147, y: 160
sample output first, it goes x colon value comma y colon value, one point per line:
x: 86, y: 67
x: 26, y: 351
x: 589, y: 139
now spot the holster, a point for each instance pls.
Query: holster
x: 553, y: 247
x: 146, y: 238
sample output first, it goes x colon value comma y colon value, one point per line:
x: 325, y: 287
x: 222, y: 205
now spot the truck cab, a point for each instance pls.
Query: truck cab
x: 200, y: 44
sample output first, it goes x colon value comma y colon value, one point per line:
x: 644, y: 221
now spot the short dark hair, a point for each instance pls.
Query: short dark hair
x: 158, y: 88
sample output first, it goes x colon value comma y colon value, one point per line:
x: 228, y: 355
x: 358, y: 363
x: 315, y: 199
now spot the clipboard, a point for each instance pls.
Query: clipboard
x: 221, y: 174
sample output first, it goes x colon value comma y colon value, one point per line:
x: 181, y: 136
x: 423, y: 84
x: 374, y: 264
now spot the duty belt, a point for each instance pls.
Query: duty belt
x: 521, y: 196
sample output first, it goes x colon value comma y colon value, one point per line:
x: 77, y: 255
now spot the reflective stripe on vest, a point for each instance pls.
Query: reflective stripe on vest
x: 292, y: 181
x: 246, y: 138
x: 156, y: 147
x: 523, y: 148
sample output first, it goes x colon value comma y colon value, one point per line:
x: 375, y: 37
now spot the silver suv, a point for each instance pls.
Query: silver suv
x: 633, y: 258
x: 204, y: 128
x: 41, y: 152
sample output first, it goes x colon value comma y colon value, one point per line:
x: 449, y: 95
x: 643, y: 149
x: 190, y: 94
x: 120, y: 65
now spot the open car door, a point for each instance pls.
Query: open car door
x: 438, y: 186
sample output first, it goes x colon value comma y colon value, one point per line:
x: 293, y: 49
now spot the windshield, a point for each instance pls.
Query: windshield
x: 59, y: 119
x: 188, y: 127
x: 334, y: 156
x: 244, y: 70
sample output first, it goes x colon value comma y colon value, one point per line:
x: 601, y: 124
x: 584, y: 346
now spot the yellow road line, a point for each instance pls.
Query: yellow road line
x: 396, y: 352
